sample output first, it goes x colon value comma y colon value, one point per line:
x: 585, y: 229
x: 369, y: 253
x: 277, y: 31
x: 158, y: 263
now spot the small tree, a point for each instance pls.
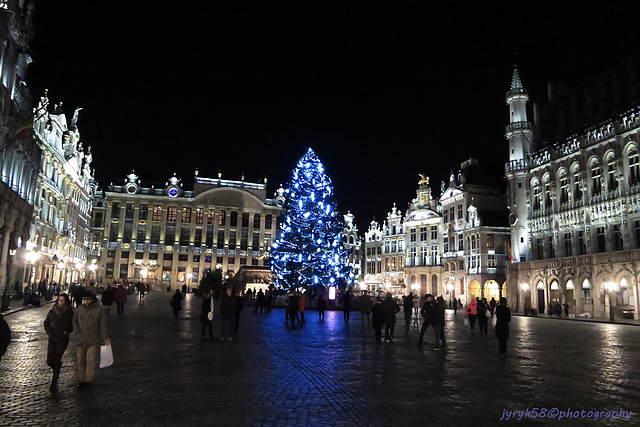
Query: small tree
x: 309, y: 251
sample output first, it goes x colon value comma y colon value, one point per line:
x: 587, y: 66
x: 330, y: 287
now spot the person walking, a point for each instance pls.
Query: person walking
x: 58, y: 325
x: 346, y: 305
x: 142, y: 288
x: 78, y: 294
x: 176, y: 302
x: 322, y: 305
x: 90, y: 326
x: 227, y: 314
x: 107, y: 299
x: 472, y: 313
x: 259, y: 301
x: 268, y: 299
x: 291, y: 310
x: 483, y: 319
x: 377, y: 320
x: 302, y: 302
x: 365, y: 307
x: 427, y: 313
x: 5, y: 336
x: 239, y: 307
x: 492, y: 306
x: 206, y: 314
x: 438, y: 323
x: 407, y: 305
x: 390, y: 308
x: 455, y: 306
x: 120, y: 298
x: 557, y: 310
x: 503, y: 318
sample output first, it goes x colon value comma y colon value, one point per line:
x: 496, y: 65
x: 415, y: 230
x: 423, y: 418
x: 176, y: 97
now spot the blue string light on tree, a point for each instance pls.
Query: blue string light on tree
x: 309, y: 251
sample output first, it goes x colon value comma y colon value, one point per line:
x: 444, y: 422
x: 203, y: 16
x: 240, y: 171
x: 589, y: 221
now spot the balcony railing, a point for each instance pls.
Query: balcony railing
x: 512, y: 127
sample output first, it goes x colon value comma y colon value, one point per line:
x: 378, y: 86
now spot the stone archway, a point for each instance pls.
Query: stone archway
x: 540, y: 294
x: 569, y: 295
x: 491, y: 290
x: 474, y: 290
x: 586, y: 298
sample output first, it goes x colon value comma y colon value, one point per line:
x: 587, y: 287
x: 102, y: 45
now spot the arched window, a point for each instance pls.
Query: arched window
x: 586, y: 289
x: 622, y: 296
x: 634, y: 166
x: 612, y: 182
x: 564, y: 186
x: 596, y: 178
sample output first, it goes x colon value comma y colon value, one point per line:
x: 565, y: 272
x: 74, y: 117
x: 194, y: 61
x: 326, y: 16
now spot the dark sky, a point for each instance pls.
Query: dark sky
x: 381, y: 91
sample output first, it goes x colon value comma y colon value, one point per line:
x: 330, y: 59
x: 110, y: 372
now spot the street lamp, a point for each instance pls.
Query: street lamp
x: 450, y: 289
x: 610, y: 287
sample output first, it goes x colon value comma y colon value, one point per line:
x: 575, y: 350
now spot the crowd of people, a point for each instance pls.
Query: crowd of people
x: 79, y: 311
x: 380, y: 312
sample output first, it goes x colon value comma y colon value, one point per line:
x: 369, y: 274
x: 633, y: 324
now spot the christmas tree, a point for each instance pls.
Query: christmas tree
x: 309, y: 251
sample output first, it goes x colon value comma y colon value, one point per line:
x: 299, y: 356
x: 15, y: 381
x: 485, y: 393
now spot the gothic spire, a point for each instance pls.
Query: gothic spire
x: 516, y: 83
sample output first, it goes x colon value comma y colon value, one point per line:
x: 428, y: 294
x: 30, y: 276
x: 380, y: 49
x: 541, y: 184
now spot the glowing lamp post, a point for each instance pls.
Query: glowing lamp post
x: 611, y: 287
x: 450, y: 289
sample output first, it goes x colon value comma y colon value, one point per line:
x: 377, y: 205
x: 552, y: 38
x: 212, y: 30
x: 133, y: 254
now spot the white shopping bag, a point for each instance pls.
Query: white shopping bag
x: 106, y: 356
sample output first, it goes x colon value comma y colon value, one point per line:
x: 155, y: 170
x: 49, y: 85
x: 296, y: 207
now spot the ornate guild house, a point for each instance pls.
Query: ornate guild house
x: 168, y: 236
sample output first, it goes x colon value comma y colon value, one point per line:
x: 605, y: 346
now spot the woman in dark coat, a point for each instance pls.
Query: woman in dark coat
x: 322, y: 304
x: 107, y: 299
x: 120, y: 298
x: 346, y: 305
x: 377, y: 319
x: 176, y: 302
x: 483, y: 320
x: 291, y: 310
x: 58, y: 324
x: 390, y: 308
x: 503, y: 317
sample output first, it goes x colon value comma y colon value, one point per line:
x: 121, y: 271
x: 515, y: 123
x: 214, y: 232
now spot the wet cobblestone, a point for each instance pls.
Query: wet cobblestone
x: 319, y: 374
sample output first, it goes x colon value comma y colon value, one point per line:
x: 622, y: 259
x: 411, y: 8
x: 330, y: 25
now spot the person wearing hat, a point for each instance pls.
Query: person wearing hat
x: 90, y: 326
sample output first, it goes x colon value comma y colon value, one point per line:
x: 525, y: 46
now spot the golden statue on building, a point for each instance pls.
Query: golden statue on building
x: 424, y: 180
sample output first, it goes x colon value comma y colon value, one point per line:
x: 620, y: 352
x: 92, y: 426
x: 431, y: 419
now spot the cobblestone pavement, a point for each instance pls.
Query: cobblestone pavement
x: 326, y: 373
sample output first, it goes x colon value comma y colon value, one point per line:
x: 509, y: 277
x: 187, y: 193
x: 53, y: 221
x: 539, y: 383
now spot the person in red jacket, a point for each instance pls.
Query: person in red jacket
x: 120, y: 298
x: 472, y: 313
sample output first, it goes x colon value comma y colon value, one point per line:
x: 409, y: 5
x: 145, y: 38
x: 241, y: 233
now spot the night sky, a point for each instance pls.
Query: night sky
x: 381, y: 91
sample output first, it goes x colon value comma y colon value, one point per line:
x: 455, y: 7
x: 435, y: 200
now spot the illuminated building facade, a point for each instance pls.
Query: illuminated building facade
x: 60, y: 231
x: 168, y: 236
x: 475, y: 236
x: 452, y: 246
x: 574, y: 197
x: 372, y: 279
x: 423, y: 241
x: 353, y: 243
x: 19, y: 153
x: 393, y: 245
